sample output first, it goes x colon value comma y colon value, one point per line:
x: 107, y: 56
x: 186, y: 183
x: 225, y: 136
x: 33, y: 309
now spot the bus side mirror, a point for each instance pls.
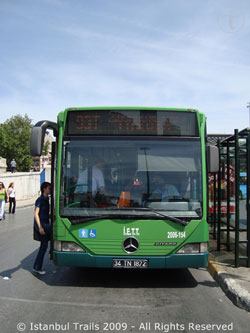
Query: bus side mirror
x: 38, y: 134
x: 36, y: 140
x: 212, y: 158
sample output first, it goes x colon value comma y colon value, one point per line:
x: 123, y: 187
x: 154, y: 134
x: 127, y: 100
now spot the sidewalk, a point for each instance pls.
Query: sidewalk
x: 22, y: 203
x: 235, y: 282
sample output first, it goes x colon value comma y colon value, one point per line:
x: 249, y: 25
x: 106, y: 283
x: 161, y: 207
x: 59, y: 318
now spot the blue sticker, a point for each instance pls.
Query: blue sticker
x: 83, y: 233
x: 92, y: 233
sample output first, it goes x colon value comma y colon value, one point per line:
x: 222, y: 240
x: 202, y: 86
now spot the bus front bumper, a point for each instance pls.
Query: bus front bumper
x: 172, y: 261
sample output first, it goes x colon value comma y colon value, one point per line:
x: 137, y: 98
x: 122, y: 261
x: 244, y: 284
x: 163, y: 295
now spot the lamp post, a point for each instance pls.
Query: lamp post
x: 248, y: 106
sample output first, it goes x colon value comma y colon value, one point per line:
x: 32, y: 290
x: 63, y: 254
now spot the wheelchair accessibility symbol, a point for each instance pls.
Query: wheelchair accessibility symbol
x: 92, y: 233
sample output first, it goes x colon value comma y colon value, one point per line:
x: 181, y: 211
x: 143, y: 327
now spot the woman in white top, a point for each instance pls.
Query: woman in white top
x: 12, y: 198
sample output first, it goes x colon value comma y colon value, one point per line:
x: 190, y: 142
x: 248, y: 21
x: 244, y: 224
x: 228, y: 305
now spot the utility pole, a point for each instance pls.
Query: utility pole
x: 248, y: 106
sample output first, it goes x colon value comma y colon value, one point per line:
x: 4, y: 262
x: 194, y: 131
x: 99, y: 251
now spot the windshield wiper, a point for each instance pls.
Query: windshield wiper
x: 88, y: 219
x: 166, y: 217
x: 100, y: 217
x: 119, y: 216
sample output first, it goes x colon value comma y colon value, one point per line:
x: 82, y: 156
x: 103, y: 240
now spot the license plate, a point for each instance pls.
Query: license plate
x: 130, y: 263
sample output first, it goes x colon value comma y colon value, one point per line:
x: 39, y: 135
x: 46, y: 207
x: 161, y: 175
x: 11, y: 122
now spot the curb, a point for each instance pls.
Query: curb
x: 26, y: 206
x: 23, y: 204
x: 239, y: 296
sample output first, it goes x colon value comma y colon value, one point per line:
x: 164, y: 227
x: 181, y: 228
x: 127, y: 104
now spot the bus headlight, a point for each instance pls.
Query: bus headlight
x: 67, y: 247
x: 193, y: 248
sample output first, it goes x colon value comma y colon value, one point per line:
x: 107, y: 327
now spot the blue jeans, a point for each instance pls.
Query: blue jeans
x: 2, y: 206
x: 43, y: 247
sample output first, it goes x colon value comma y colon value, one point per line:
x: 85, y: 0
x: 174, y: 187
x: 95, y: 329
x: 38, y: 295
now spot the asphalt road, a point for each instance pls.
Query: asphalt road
x: 102, y: 300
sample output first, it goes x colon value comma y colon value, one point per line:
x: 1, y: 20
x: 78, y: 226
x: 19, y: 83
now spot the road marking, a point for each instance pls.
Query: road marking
x: 115, y: 306
x: 73, y: 303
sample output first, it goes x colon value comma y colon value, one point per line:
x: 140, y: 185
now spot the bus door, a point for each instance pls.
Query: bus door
x: 52, y: 198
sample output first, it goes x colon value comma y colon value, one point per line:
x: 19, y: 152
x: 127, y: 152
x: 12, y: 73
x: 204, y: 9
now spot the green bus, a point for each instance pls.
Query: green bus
x: 129, y: 186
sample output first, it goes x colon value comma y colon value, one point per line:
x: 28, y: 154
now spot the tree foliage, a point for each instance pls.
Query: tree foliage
x: 15, y: 141
x: 46, y: 147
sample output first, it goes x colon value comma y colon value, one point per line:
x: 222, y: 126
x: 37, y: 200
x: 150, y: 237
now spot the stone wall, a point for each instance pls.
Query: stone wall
x: 27, y: 184
x: 3, y: 165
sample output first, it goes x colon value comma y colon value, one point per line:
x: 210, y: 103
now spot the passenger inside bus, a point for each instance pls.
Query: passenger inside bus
x: 151, y: 187
x: 162, y: 190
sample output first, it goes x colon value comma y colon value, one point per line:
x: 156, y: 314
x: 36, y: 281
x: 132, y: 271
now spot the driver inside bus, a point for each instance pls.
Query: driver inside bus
x: 161, y: 190
x: 98, y: 184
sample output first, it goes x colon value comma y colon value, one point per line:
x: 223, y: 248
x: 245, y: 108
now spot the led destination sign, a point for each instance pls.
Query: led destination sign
x: 132, y: 122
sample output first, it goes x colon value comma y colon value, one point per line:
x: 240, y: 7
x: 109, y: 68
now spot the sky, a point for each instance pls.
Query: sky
x: 168, y: 53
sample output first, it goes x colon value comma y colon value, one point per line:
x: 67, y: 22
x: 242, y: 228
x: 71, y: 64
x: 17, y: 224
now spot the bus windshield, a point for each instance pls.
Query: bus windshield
x: 125, y: 175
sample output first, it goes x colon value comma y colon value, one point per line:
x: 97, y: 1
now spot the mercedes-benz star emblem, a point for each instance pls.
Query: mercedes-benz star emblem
x: 130, y: 245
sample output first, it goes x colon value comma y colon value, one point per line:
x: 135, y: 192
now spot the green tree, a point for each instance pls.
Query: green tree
x: 46, y: 147
x: 15, y: 141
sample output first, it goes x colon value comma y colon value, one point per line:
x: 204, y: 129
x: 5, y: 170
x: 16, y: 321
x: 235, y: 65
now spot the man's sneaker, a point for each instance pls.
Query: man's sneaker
x: 39, y: 271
